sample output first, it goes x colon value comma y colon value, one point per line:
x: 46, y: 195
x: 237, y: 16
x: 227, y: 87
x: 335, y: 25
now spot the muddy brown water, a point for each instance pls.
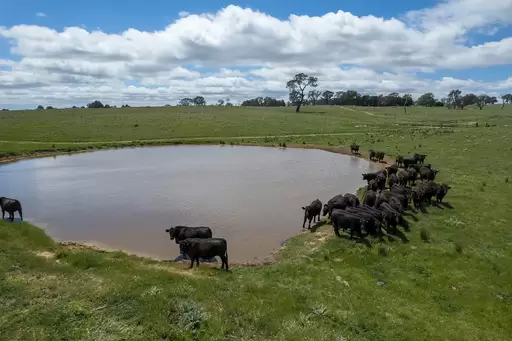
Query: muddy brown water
x: 126, y: 198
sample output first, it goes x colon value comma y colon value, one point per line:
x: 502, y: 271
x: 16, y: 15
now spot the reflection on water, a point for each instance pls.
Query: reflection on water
x: 126, y: 198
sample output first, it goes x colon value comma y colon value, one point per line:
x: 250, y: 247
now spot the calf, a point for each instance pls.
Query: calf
x: 206, y: 248
x: 354, y: 149
x: 11, y: 206
x: 312, y: 211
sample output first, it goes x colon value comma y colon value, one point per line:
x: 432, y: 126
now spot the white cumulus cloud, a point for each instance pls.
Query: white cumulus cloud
x: 240, y: 52
x: 40, y: 14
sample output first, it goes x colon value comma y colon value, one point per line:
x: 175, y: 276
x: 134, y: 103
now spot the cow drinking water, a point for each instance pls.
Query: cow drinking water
x: 11, y: 206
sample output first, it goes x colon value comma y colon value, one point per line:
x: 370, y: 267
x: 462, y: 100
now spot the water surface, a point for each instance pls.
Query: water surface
x: 126, y: 198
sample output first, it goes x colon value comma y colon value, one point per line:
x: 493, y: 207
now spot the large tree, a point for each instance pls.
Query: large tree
x: 408, y: 101
x: 313, y: 96
x: 454, y: 99
x: 185, y: 102
x: 506, y: 98
x: 297, y: 87
x: 468, y: 99
x: 427, y: 100
x: 95, y: 104
x: 327, y: 95
x: 199, y: 100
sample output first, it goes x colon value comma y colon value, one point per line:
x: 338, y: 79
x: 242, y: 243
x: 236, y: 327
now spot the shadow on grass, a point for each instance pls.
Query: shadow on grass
x: 447, y: 205
x: 423, y: 209
x: 397, y: 233
x: 358, y: 240
x: 405, y: 224
x: 317, y: 225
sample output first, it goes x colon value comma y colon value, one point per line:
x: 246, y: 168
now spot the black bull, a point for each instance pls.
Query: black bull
x: 11, y: 206
x: 197, y: 248
x: 179, y: 233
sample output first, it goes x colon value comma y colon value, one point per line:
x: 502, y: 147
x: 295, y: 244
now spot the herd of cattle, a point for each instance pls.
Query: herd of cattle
x: 389, y: 194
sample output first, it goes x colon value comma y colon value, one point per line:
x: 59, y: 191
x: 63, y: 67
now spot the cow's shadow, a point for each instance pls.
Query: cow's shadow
x: 317, y: 225
x: 359, y: 240
x: 185, y: 257
x: 447, y: 205
x: 16, y: 220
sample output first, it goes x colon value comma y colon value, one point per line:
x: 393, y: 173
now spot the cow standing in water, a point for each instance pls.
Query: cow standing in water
x: 11, y: 206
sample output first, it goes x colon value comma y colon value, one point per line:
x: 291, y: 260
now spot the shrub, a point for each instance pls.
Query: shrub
x: 188, y: 314
x: 459, y: 247
x: 425, y: 235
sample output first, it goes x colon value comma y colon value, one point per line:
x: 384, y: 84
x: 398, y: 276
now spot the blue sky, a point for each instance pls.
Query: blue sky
x: 351, y: 45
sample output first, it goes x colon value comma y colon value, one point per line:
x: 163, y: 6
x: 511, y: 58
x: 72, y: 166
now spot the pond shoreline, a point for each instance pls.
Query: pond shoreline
x: 273, y: 257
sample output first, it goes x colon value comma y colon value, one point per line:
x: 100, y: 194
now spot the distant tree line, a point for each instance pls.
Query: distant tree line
x: 302, y: 91
x: 263, y: 102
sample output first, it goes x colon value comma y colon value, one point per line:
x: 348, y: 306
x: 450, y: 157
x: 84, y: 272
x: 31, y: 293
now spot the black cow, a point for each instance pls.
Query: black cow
x: 408, y: 161
x: 392, y: 180
x: 428, y: 173
x: 369, y: 198
x: 399, y: 160
x: 372, y: 176
x: 400, y: 190
x: 346, y: 221
x: 403, y: 177
x: 393, y: 169
x: 373, y: 221
x: 385, y: 196
x: 379, y: 156
x: 179, y: 233
x: 197, y: 248
x: 352, y: 199
x: 311, y: 212
x: 354, y: 149
x: 11, y: 206
x: 424, y: 192
x: 413, y: 175
x: 419, y: 166
x: 339, y: 202
x: 372, y: 154
x: 391, y: 216
x: 420, y: 158
x: 373, y: 185
x: 381, y: 181
x: 441, y: 192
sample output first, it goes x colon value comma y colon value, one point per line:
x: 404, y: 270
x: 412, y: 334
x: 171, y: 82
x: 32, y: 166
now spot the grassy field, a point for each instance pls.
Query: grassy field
x: 455, y: 283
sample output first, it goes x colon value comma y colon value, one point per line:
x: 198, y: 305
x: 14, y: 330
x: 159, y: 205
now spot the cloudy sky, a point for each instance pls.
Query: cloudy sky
x: 63, y: 53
